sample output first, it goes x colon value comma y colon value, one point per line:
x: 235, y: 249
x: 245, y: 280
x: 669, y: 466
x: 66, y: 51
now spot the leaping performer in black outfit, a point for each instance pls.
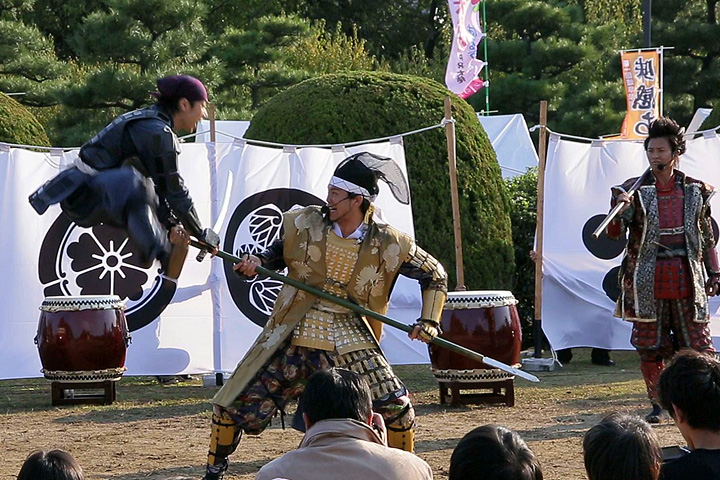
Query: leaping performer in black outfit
x: 127, y: 177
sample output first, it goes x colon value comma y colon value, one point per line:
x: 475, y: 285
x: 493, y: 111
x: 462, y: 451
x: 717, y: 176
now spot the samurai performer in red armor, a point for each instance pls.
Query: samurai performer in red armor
x: 670, y: 265
x: 344, y: 250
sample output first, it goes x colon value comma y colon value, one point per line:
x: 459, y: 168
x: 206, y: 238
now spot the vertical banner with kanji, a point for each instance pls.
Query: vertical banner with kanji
x: 641, y: 72
x: 464, y: 68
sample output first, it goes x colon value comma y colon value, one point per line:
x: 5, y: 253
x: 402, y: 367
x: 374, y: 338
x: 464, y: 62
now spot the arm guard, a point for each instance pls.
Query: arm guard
x: 432, y: 278
x: 616, y: 228
x: 273, y: 257
x: 429, y: 329
x: 158, y: 150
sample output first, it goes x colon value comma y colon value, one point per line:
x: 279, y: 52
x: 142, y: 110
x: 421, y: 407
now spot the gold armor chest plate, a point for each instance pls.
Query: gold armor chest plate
x: 327, y: 326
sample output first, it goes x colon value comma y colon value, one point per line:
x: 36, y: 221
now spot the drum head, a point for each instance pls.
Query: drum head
x: 82, y: 302
x: 479, y: 299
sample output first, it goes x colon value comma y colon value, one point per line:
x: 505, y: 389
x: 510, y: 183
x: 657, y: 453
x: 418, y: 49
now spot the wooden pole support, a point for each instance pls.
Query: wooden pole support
x: 450, y: 136
x: 211, y: 115
x: 542, y: 151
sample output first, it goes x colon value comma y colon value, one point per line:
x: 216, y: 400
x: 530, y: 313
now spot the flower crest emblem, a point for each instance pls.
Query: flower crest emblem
x: 369, y: 279
x: 311, y: 221
x: 391, y: 256
x: 301, y: 269
x: 314, y: 253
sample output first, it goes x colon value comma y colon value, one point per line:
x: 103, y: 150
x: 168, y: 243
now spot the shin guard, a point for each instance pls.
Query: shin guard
x: 224, y: 438
x: 401, y: 425
x: 401, y: 439
x: 651, y: 373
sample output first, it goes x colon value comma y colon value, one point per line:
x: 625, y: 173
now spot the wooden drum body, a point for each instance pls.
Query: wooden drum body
x: 486, y: 322
x: 82, y: 339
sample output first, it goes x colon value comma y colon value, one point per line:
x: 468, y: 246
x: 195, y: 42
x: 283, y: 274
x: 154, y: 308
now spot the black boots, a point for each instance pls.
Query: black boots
x: 600, y: 356
x: 656, y: 414
x: 216, y: 472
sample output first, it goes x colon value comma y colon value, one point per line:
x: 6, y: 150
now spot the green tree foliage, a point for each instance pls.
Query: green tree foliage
x: 121, y: 51
x: 389, y: 28
x: 714, y: 119
x: 324, y: 52
x: 522, y: 191
x: 561, y: 53
x: 18, y: 125
x: 254, y: 59
x: 599, y: 12
x: 58, y: 19
x: 27, y: 59
x: 363, y: 105
x: 692, y: 68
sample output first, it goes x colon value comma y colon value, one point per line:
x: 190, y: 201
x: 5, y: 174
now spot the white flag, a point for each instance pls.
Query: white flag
x: 463, y: 71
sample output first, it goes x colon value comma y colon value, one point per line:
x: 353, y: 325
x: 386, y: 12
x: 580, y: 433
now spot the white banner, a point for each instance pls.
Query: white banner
x: 579, y: 273
x: 206, y: 322
x: 462, y: 76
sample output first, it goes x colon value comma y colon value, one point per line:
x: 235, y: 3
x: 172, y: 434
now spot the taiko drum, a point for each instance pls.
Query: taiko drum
x: 82, y: 339
x: 484, y: 321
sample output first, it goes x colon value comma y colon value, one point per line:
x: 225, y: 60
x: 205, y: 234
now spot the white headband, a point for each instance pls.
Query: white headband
x: 350, y: 187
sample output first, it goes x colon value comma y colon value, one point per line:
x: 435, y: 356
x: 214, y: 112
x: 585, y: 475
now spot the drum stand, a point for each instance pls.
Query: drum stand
x: 83, y: 393
x: 451, y: 391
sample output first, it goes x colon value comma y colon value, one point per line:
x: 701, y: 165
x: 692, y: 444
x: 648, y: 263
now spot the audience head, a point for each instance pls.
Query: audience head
x: 622, y: 447
x: 493, y: 453
x: 52, y: 465
x: 336, y: 393
x: 691, y: 383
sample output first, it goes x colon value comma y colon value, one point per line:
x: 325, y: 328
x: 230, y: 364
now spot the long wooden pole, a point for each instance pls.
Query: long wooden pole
x: 542, y: 151
x: 441, y: 342
x: 211, y: 114
x: 450, y: 136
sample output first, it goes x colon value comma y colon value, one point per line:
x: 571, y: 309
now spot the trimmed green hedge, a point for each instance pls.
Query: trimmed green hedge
x: 18, y: 125
x: 355, y: 106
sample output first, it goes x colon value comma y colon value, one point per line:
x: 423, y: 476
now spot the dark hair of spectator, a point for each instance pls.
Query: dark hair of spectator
x: 622, y: 447
x: 691, y: 382
x: 52, y: 465
x: 337, y: 393
x: 666, y: 127
x: 491, y: 452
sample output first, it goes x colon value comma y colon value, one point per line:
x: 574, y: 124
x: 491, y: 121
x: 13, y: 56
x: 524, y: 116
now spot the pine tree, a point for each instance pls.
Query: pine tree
x: 560, y: 53
x: 254, y: 61
x: 121, y: 51
x: 27, y: 59
x: 692, y: 67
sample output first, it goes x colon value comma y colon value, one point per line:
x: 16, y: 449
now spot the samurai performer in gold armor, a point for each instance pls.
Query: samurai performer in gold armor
x: 341, y: 249
x: 670, y: 265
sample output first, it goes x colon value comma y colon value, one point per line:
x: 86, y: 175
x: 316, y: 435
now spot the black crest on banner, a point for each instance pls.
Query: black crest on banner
x: 102, y: 260
x: 254, y: 225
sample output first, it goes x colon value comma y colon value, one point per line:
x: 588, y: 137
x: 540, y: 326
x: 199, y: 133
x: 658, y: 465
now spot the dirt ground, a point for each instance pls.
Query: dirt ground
x: 161, y: 432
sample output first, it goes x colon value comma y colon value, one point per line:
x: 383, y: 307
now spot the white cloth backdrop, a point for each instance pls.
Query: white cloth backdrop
x: 511, y: 141
x: 576, y: 310
x: 236, y: 128
x: 202, y: 329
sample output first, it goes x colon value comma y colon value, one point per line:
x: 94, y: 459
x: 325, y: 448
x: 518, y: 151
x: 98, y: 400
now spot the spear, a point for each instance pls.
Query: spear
x: 440, y: 342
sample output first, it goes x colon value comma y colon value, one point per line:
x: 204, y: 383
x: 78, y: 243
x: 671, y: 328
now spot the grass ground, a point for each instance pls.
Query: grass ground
x: 161, y: 432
